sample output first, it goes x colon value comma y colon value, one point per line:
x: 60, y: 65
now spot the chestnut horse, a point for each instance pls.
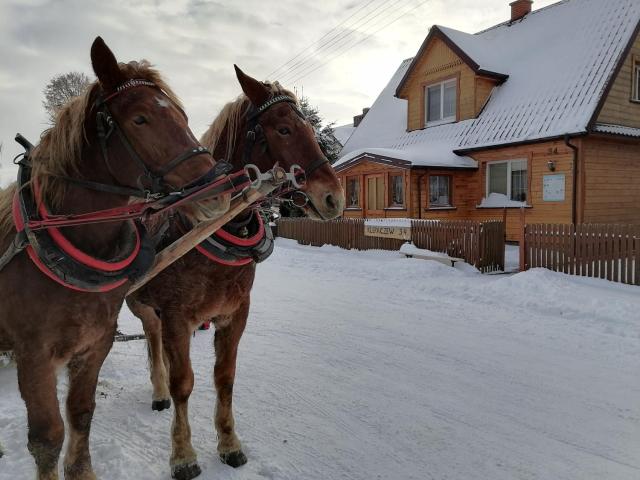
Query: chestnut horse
x: 196, y: 289
x: 49, y: 325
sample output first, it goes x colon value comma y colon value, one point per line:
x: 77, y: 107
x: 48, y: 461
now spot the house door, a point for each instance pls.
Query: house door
x: 375, y: 195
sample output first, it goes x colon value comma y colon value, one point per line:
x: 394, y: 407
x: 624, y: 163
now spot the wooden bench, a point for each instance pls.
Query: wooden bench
x: 450, y: 261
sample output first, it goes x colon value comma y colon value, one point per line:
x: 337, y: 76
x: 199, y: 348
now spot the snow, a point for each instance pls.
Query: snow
x: 617, y: 130
x: 364, y: 365
x: 499, y: 200
x: 343, y: 132
x: 544, y: 96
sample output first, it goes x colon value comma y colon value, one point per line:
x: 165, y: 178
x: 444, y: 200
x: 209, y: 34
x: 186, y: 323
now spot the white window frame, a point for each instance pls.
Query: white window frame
x: 442, y: 120
x: 635, y: 96
x: 509, y: 162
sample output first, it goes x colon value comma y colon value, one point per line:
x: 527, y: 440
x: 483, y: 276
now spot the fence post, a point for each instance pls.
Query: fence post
x: 523, y: 236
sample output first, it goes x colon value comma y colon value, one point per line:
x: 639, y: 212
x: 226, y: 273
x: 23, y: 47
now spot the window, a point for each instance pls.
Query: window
x: 508, y: 179
x: 353, y: 192
x: 441, y: 102
x: 396, y: 190
x: 439, y: 188
x: 636, y: 81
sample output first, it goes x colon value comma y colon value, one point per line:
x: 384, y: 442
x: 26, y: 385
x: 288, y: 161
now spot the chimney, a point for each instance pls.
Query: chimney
x: 520, y: 8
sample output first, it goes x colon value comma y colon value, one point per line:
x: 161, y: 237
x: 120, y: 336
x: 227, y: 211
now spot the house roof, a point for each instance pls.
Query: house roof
x: 343, y: 132
x: 616, y: 130
x: 559, y: 60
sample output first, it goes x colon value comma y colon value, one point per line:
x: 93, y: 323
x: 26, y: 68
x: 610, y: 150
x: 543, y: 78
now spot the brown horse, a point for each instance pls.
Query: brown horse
x: 46, y: 324
x: 196, y: 289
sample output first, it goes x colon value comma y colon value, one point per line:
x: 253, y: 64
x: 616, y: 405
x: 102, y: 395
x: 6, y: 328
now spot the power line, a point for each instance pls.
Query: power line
x: 321, y: 38
x: 307, y: 73
x: 340, y: 39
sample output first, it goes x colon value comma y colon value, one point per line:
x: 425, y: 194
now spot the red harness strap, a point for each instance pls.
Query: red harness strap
x: 230, y: 263
x: 72, y: 251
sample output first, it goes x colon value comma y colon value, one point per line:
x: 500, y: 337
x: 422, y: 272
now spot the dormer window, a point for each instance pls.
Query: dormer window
x: 441, y: 102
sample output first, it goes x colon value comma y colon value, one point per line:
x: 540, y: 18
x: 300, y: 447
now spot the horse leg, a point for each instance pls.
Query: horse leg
x: 226, y: 342
x: 83, y: 378
x: 152, y: 326
x: 184, y: 462
x: 37, y: 382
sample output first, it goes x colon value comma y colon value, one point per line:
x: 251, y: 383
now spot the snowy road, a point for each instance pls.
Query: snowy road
x: 369, y: 366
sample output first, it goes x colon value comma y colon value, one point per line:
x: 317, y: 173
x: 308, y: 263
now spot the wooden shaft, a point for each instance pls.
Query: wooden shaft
x: 200, y: 232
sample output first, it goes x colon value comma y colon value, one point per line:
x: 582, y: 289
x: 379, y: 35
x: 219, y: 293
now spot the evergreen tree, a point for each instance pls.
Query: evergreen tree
x: 324, y: 134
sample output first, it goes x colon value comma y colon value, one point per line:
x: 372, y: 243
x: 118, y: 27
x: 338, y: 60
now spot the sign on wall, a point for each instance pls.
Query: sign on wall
x: 553, y: 188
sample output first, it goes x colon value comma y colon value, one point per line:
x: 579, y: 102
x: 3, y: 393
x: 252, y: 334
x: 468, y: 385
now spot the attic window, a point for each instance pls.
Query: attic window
x: 635, y: 96
x: 441, y: 102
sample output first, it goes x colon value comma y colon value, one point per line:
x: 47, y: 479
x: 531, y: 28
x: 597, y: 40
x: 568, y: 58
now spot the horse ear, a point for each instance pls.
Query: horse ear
x: 105, y: 65
x: 252, y: 88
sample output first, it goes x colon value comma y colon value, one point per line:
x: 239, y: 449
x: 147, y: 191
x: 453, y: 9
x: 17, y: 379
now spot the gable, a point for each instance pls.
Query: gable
x: 618, y: 107
x: 440, y: 62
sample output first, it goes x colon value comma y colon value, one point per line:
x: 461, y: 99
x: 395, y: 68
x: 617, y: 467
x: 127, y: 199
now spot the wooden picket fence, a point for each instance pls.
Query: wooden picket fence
x: 605, y: 251
x: 479, y: 243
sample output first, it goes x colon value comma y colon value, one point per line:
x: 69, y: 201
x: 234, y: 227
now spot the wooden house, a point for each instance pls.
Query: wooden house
x: 541, y: 112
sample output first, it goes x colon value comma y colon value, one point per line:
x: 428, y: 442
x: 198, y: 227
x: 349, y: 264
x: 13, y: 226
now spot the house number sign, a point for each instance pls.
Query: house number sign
x: 553, y: 188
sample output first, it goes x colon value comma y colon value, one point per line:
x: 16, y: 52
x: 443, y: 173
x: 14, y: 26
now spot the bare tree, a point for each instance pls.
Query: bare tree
x: 61, y: 89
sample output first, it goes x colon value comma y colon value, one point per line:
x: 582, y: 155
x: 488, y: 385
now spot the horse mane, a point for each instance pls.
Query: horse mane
x: 225, y: 128
x: 59, y: 151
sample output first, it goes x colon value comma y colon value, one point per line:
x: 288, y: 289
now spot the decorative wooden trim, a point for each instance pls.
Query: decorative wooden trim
x: 436, y: 32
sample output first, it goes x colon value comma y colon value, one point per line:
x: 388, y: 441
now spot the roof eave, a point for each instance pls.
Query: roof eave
x: 465, y: 151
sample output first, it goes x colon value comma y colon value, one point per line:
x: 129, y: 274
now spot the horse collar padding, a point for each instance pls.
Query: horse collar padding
x: 63, y: 263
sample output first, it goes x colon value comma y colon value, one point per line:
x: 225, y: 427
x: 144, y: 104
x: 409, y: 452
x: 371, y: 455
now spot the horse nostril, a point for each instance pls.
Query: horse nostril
x: 330, y: 201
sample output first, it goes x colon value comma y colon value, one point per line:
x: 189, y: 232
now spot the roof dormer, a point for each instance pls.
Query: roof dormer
x: 444, y: 83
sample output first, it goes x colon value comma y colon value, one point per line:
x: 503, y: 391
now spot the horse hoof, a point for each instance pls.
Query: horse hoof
x: 185, y: 471
x: 160, y: 405
x: 234, y: 459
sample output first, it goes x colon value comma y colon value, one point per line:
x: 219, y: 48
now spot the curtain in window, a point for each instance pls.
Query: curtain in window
x: 433, y: 101
x: 519, y: 180
x: 439, y: 191
x: 353, y: 192
x: 449, y: 104
x: 397, y: 190
x: 498, y: 178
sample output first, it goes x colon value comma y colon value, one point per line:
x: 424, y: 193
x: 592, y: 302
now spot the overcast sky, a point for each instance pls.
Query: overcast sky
x: 195, y: 43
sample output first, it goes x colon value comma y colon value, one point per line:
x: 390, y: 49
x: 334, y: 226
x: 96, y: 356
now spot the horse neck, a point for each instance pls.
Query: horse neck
x: 100, y: 239
x: 237, y: 159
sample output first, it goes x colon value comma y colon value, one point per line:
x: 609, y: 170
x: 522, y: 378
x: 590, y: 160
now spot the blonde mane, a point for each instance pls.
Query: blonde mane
x: 60, y: 148
x: 225, y: 126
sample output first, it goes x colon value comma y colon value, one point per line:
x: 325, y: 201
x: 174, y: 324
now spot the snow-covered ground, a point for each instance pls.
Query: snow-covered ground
x: 365, y: 365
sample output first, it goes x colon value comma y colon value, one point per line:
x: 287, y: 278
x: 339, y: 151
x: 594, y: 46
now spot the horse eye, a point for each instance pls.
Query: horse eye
x: 284, y: 131
x: 139, y: 120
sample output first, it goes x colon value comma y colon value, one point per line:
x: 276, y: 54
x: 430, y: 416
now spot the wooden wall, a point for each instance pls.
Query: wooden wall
x: 618, y: 108
x: 612, y: 180
x: 361, y: 171
x: 440, y: 63
x: 608, y: 185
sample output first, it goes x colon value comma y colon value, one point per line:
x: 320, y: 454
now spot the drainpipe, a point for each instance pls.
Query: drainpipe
x: 574, y: 207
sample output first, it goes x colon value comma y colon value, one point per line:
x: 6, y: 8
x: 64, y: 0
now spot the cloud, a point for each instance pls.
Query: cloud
x: 196, y: 42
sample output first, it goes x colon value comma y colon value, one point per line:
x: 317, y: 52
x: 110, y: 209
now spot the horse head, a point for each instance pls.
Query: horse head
x: 284, y: 137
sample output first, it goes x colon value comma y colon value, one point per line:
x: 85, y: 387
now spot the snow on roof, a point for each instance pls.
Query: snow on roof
x: 343, y: 132
x: 617, y: 130
x: 559, y: 60
x: 383, y: 132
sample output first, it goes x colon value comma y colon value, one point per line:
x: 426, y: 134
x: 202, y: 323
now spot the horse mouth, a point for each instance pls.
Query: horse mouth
x: 209, y: 209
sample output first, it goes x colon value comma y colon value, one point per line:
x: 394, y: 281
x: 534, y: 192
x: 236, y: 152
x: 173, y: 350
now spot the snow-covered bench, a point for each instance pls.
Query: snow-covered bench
x: 409, y: 250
